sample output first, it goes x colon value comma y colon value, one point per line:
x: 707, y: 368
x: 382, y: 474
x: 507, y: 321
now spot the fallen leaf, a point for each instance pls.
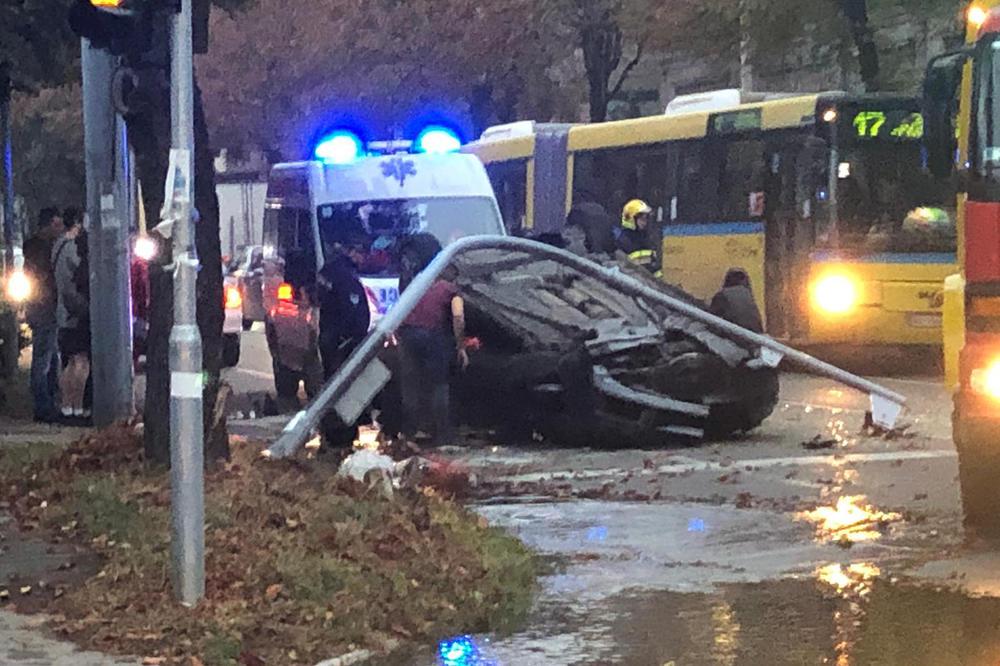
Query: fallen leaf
x: 195, y: 661
x: 250, y: 659
x: 272, y: 591
x: 26, y: 590
x: 153, y: 661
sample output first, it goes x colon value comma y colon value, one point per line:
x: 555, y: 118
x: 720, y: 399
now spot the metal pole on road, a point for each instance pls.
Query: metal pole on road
x: 362, y: 368
x: 106, y: 153
x: 186, y: 435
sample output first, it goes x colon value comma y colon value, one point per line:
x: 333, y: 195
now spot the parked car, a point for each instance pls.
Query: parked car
x: 248, y: 270
x: 232, y: 325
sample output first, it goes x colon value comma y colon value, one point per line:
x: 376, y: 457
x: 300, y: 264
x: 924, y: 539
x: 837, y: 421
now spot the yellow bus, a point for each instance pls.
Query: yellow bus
x: 824, y: 200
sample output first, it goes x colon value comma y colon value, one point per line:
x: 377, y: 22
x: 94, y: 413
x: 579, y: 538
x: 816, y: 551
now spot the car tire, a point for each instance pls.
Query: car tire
x: 247, y: 324
x: 230, y: 350
x: 978, y: 471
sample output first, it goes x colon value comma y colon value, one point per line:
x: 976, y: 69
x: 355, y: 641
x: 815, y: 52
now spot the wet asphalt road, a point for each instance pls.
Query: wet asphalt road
x: 756, y: 551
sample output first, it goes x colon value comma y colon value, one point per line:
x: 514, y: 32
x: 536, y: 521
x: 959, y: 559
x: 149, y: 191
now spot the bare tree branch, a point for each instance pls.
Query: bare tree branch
x: 639, y: 49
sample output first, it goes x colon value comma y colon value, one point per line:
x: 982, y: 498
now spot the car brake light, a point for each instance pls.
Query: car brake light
x: 233, y: 298
x: 285, y: 292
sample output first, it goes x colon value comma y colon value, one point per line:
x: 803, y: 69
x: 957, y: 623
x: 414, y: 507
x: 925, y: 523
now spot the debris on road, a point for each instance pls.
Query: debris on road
x: 818, y: 443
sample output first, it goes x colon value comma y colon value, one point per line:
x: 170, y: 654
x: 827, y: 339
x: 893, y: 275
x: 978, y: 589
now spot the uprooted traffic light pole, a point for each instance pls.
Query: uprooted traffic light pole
x: 128, y: 28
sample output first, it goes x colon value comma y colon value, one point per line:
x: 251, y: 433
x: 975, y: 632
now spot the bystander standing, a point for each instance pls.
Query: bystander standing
x: 40, y: 313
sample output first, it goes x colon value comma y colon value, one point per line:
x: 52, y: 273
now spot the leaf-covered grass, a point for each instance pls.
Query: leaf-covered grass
x: 15, y: 397
x: 300, y: 564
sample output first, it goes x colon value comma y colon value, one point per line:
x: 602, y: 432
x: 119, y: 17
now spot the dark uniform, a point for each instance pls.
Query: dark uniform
x: 636, y: 243
x: 735, y: 302
x: 343, y: 323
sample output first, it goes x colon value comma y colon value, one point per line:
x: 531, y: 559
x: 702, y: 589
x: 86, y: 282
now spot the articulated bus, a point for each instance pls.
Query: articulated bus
x: 823, y: 199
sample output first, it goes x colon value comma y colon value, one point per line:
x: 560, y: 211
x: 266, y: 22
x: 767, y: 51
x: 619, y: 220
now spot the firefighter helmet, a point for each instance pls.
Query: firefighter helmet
x: 632, y: 210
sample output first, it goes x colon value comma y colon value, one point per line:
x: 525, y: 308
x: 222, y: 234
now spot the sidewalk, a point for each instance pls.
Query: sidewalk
x: 24, y: 640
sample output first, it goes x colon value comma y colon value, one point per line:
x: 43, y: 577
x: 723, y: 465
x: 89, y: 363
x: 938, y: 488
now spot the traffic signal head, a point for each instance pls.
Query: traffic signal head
x: 121, y: 27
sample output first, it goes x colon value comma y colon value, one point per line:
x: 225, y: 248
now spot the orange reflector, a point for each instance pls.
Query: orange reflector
x: 984, y: 307
x: 108, y: 4
x: 285, y: 292
x: 233, y: 298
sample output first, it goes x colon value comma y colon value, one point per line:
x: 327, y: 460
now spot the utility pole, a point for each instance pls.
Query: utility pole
x: 186, y: 384
x: 106, y: 152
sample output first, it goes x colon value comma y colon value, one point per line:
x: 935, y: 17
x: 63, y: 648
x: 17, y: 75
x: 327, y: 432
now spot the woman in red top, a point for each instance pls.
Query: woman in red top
x: 430, y: 337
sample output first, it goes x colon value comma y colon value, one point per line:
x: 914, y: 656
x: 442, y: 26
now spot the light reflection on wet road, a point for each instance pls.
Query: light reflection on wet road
x: 757, y: 551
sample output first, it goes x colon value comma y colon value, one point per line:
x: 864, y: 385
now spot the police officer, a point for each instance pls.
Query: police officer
x: 343, y: 323
x: 633, y: 237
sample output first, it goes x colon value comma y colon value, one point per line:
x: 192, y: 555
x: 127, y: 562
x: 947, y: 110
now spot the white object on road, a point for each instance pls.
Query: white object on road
x: 885, y: 411
x: 358, y: 464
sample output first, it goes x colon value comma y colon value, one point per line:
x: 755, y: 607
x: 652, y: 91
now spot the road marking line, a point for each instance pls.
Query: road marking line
x: 252, y: 373
x: 735, y: 465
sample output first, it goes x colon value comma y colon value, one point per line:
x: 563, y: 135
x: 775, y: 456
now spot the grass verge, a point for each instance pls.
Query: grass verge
x: 300, y: 564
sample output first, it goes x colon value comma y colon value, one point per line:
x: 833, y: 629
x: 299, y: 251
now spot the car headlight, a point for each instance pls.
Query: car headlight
x: 19, y: 287
x: 986, y: 380
x: 836, y: 294
x: 146, y: 248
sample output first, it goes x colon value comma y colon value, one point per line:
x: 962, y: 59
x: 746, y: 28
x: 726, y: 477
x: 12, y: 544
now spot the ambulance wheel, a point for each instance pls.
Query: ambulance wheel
x: 978, y: 445
x: 230, y: 350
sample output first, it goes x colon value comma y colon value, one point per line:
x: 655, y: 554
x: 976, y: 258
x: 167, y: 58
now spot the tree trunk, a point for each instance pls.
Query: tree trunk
x: 856, y: 13
x: 598, y: 41
x: 151, y: 133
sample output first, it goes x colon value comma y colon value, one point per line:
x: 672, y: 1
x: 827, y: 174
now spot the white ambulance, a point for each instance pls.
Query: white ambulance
x: 380, y: 199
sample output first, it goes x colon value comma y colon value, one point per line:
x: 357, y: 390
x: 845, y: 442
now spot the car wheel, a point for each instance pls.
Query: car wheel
x: 247, y: 324
x: 230, y: 350
x: 978, y: 471
x: 286, y: 380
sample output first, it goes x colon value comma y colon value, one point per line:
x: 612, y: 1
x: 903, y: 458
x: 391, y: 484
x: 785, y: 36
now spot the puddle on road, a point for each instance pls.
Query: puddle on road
x: 845, y: 616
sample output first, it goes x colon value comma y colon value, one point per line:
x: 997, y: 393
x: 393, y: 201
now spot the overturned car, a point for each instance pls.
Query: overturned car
x: 568, y: 356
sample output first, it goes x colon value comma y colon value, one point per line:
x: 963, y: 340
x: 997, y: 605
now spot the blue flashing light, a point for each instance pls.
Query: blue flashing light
x: 341, y: 147
x: 459, y: 651
x: 437, y: 140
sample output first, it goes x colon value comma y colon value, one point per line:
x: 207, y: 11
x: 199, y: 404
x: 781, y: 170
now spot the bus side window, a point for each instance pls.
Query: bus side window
x: 698, y: 187
x: 657, y: 180
x: 509, y: 180
x: 743, y: 177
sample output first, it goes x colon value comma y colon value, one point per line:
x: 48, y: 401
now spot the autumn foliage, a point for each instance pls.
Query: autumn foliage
x: 301, y: 565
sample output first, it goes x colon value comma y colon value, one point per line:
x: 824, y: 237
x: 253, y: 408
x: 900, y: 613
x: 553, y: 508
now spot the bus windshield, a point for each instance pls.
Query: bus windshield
x: 378, y: 225
x: 887, y: 200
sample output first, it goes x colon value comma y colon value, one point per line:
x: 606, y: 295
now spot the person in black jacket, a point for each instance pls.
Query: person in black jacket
x: 344, y: 318
x: 735, y: 302
x: 41, y: 315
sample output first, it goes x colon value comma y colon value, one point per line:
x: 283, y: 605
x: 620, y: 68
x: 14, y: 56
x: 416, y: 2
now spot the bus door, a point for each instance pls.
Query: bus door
x: 795, y: 176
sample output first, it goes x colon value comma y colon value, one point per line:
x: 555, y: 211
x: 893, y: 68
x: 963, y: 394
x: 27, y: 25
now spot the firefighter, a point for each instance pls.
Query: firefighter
x: 634, y: 236
x: 344, y: 318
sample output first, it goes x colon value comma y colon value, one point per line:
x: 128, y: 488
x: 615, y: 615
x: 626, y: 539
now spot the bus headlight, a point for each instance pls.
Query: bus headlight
x: 836, y: 294
x: 18, y: 287
x: 986, y: 381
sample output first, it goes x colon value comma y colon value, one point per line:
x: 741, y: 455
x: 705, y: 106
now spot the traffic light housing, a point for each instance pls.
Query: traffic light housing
x: 121, y: 27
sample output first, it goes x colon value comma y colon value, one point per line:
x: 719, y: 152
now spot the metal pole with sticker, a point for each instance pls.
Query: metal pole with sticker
x: 186, y: 430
